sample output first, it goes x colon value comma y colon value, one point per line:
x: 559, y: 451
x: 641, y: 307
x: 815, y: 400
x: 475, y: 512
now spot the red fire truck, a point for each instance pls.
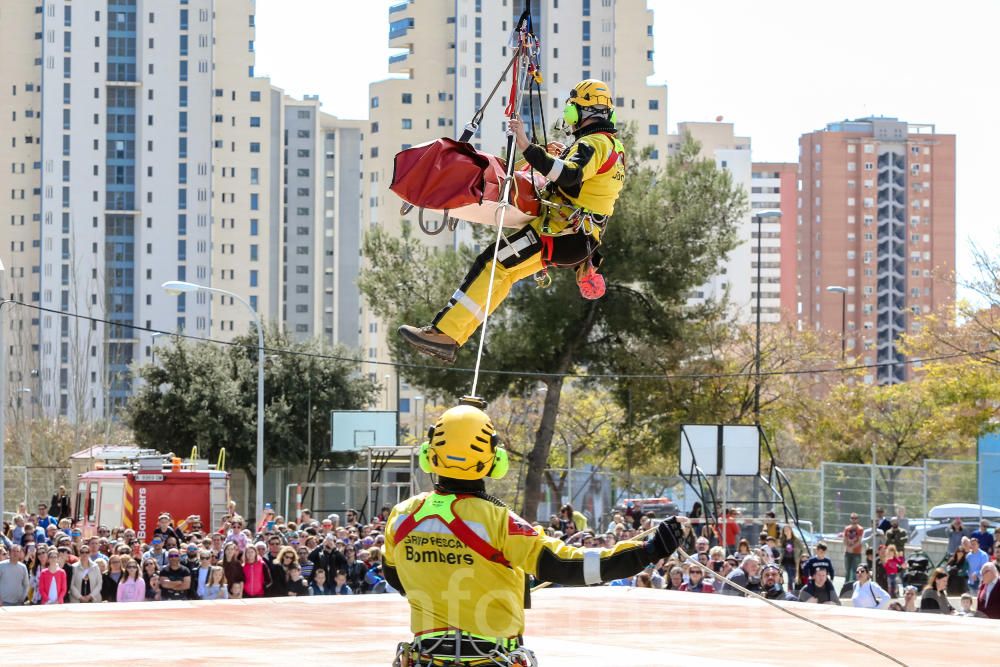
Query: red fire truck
x: 135, y: 493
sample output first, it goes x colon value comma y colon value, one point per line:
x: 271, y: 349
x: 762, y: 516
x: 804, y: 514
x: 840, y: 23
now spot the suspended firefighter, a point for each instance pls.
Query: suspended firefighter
x: 584, y: 181
x: 460, y: 556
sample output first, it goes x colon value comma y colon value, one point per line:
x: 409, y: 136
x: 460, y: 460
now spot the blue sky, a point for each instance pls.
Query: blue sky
x: 775, y: 68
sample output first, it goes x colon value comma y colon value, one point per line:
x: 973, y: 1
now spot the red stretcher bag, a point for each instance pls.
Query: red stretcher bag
x: 449, y: 175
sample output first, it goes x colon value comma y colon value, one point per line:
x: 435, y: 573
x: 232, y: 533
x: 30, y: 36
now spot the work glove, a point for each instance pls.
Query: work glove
x: 668, y: 536
x: 590, y: 282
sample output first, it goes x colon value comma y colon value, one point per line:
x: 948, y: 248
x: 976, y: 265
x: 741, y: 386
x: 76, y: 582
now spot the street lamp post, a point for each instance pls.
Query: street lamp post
x: 177, y: 287
x: 837, y: 289
x: 419, y: 425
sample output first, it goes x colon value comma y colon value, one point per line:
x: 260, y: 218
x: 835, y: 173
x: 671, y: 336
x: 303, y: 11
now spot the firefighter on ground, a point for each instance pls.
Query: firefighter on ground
x: 461, y: 557
x: 584, y: 183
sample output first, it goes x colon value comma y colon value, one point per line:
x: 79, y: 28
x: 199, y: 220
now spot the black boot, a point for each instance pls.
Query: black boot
x: 430, y: 341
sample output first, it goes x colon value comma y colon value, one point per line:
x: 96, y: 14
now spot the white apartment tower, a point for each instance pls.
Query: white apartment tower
x: 451, y: 54
x: 734, y: 281
x: 320, y: 223
x: 143, y: 149
x: 20, y: 192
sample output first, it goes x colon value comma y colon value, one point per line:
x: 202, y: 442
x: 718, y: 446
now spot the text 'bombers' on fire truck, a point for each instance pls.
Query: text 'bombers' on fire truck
x: 134, y: 493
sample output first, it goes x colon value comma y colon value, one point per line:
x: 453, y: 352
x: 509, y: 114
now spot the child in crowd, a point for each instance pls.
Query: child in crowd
x: 215, y: 587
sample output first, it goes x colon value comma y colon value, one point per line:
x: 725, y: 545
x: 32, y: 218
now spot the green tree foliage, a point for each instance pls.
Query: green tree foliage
x: 937, y: 414
x: 670, y: 230
x: 708, y: 377
x: 205, y: 395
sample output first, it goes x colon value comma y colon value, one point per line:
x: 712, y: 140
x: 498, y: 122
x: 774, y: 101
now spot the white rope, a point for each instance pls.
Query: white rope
x: 788, y: 611
x: 499, y: 216
x: 748, y: 593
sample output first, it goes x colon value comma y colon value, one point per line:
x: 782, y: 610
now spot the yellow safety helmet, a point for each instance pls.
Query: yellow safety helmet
x: 589, y: 93
x: 464, y: 445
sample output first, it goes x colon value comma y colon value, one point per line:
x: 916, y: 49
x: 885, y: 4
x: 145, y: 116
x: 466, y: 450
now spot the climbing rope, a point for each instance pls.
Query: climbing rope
x: 523, y: 56
x: 712, y: 573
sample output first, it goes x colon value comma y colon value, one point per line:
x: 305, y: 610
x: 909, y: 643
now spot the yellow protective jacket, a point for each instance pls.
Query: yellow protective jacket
x: 480, y: 588
x: 589, y: 175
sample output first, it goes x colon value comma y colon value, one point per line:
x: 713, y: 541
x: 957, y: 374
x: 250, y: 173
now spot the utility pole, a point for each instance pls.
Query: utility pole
x: 874, y: 518
x: 756, y: 384
x: 3, y: 385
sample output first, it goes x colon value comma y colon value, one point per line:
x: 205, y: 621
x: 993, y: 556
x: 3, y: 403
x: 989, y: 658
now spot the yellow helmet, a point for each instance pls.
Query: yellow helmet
x: 591, y: 92
x: 463, y: 445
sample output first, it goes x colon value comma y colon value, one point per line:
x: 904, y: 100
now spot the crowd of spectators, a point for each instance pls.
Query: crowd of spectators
x: 44, y: 559
x: 778, y: 566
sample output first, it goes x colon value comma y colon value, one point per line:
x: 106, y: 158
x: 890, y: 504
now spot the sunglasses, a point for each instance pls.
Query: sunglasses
x: 206, y: 558
x: 173, y: 556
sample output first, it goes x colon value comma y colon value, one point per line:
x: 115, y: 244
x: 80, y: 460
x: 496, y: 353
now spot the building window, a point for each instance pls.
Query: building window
x: 254, y: 121
x: 254, y: 224
x: 254, y: 202
x: 654, y: 129
x: 253, y: 277
x: 407, y: 98
x: 255, y: 96
x: 254, y: 147
x: 253, y: 252
x: 586, y: 55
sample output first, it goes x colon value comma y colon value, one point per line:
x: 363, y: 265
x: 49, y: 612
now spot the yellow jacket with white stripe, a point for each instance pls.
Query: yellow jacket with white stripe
x: 451, y: 585
x: 589, y: 175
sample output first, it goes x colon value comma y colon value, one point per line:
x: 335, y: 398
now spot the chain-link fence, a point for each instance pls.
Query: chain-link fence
x: 807, y: 486
x: 827, y: 496
x: 32, y: 485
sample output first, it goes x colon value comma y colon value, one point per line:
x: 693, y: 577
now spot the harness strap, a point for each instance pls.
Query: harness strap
x: 614, y: 157
x: 458, y: 528
x: 548, y: 247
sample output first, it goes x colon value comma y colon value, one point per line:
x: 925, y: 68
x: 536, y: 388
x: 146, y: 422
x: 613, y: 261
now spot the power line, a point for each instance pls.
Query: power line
x: 525, y: 373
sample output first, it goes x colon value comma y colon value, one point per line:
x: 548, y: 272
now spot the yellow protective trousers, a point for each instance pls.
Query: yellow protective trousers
x: 519, y: 257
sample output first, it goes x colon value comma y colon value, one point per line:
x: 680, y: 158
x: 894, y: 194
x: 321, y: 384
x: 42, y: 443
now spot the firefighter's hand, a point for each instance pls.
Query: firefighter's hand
x: 554, y: 148
x: 667, y: 538
x: 516, y: 126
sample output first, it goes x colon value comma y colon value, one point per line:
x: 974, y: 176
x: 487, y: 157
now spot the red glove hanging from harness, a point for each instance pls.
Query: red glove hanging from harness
x: 590, y: 282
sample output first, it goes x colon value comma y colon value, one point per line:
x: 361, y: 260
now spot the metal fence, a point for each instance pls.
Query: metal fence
x: 32, y: 485
x: 828, y: 495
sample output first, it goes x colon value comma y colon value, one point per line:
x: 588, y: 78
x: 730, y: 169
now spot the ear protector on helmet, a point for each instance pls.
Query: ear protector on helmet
x: 501, y: 460
x: 571, y: 114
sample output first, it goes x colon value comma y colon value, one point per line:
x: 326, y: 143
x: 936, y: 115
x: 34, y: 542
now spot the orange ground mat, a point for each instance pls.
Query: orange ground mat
x: 566, y: 627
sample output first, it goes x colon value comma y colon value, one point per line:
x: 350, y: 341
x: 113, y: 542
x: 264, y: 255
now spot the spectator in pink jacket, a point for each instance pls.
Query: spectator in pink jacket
x: 52, y: 581
x: 256, y: 574
x: 133, y: 587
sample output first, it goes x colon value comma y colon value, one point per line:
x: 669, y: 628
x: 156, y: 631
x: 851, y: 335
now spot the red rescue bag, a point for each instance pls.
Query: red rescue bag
x: 451, y: 175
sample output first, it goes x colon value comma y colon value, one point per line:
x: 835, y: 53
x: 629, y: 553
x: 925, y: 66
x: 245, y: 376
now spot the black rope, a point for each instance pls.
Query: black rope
x: 522, y: 373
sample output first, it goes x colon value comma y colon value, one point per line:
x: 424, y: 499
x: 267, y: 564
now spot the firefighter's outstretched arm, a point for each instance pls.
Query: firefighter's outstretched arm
x: 391, y: 576
x: 550, y: 559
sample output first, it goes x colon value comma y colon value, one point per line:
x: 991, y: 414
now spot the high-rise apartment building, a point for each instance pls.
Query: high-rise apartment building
x: 451, y: 54
x: 734, y: 279
x: 20, y: 189
x: 877, y: 217
x: 773, y: 203
x: 144, y: 149
x: 320, y: 223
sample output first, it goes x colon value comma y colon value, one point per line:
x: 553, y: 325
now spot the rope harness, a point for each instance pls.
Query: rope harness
x: 454, y: 648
